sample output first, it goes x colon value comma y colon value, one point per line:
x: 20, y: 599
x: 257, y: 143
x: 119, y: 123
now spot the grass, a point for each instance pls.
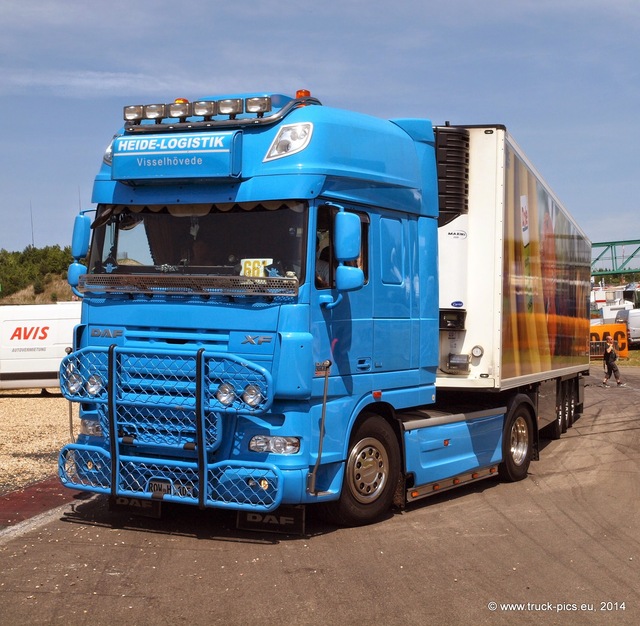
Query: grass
x: 633, y: 360
x: 56, y: 289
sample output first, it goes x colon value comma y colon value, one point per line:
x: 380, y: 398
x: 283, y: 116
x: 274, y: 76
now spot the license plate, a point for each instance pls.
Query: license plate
x: 163, y: 486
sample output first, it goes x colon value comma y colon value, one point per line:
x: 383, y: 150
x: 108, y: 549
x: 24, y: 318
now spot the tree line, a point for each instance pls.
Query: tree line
x: 32, y: 266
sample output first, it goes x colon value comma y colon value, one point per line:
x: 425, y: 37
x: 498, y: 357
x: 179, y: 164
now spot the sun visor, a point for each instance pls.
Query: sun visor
x: 171, y: 157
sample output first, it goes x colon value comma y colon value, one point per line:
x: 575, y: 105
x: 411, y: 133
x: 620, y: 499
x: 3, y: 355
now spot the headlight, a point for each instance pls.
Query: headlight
x: 276, y: 445
x: 252, y: 395
x: 226, y: 394
x: 108, y: 154
x: 290, y: 139
x: 94, y: 385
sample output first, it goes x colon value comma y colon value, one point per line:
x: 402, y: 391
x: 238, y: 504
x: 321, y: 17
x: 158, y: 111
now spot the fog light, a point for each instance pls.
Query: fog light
x: 133, y: 112
x: 91, y: 428
x: 263, y: 483
x: 230, y: 106
x: 74, y: 383
x: 226, y: 394
x: 258, y: 105
x: 252, y: 395
x: 94, y: 385
x: 180, y: 109
x: 155, y: 111
x: 205, y: 108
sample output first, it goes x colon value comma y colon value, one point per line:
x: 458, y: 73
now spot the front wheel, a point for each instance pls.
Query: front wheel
x: 370, y: 476
x: 517, y: 445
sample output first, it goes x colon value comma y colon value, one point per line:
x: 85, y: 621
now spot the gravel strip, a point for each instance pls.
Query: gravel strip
x: 33, y: 428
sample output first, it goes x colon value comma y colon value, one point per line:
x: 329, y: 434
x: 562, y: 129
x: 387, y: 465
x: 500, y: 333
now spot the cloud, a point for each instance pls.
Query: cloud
x: 71, y: 83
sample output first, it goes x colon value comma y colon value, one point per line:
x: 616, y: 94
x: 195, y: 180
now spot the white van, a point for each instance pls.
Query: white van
x: 633, y: 327
x: 33, y: 340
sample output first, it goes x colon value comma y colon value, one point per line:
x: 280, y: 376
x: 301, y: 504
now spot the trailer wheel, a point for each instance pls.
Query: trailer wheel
x: 559, y: 426
x: 570, y: 403
x: 517, y: 444
x: 370, y: 476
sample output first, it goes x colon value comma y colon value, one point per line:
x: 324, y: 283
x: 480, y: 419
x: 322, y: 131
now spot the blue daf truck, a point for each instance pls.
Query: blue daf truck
x: 285, y: 303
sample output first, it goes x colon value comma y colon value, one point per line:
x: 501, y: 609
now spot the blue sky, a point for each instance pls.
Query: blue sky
x: 564, y: 76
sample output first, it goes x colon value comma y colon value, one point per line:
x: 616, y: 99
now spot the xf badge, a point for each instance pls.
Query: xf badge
x: 257, y: 340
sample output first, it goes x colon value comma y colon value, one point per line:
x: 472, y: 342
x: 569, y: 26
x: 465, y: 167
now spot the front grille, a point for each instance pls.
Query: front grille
x: 163, y: 426
x: 162, y: 398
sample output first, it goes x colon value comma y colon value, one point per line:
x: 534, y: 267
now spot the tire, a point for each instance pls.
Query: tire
x: 370, y: 477
x: 564, y: 403
x: 517, y: 444
x: 556, y: 429
x: 570, y: 403
x: 559, y: 426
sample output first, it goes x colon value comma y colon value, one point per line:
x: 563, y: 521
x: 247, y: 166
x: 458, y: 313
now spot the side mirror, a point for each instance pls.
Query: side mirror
x: 349, y: 278
x: 81, y: 235
x: 73, y: 275
x: 347, y: 236
x: 79, y: 249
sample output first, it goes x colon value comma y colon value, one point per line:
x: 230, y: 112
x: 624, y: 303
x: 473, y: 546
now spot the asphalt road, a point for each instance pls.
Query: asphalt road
x: 561, y: 547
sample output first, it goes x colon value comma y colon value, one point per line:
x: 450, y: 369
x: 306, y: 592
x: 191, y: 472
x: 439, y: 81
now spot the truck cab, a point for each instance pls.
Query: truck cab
x: 261, y: 320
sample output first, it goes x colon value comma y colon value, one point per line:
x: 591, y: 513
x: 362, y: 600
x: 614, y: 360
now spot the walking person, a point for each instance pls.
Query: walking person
x: 609, y: 361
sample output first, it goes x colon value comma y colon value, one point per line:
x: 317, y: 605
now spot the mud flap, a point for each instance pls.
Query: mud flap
x: 286, y: 519
x: 136, y: 506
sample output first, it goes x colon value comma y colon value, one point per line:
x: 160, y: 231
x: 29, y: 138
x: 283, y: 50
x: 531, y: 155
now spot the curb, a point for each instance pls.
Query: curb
x: 23, y: 504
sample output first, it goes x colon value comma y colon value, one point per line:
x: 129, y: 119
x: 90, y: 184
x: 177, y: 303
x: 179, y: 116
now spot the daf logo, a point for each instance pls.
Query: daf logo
x: 113, y: 333
x: 281, y: 520
x: 257, y: 340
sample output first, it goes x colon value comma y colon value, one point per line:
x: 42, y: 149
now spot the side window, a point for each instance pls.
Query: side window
x: 325, y: 262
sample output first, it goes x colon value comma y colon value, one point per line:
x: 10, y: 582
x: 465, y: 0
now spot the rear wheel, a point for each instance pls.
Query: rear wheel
x: 557, y: 427
x: 517, y: 444
x: 569, y: 403
x: 370, y: 476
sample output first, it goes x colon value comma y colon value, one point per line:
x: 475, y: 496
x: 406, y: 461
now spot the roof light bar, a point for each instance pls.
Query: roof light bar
x: 206, y: 110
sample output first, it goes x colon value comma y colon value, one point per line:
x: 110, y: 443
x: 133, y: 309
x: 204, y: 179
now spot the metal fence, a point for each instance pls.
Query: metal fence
x: 596, y: 349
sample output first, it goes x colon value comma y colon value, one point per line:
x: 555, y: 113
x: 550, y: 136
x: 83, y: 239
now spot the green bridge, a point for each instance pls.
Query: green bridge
x: 615, y: 258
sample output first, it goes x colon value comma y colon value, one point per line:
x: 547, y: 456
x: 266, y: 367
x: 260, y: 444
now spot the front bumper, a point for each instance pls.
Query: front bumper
x: 238, y: 485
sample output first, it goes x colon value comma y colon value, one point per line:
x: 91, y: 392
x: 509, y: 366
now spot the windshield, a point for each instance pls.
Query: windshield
x: 266, y: 239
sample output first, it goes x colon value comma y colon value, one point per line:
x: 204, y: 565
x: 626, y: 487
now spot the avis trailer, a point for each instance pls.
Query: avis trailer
x: 292, y: 304
x: 33, y: 340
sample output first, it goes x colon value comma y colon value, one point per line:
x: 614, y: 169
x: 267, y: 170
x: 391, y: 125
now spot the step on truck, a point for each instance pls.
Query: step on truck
x: 285, y: 303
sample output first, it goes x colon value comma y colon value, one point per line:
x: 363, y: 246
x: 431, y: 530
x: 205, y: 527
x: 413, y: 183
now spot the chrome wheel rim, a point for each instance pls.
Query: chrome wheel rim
x: 367, y: 470
x: 519, y: 440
